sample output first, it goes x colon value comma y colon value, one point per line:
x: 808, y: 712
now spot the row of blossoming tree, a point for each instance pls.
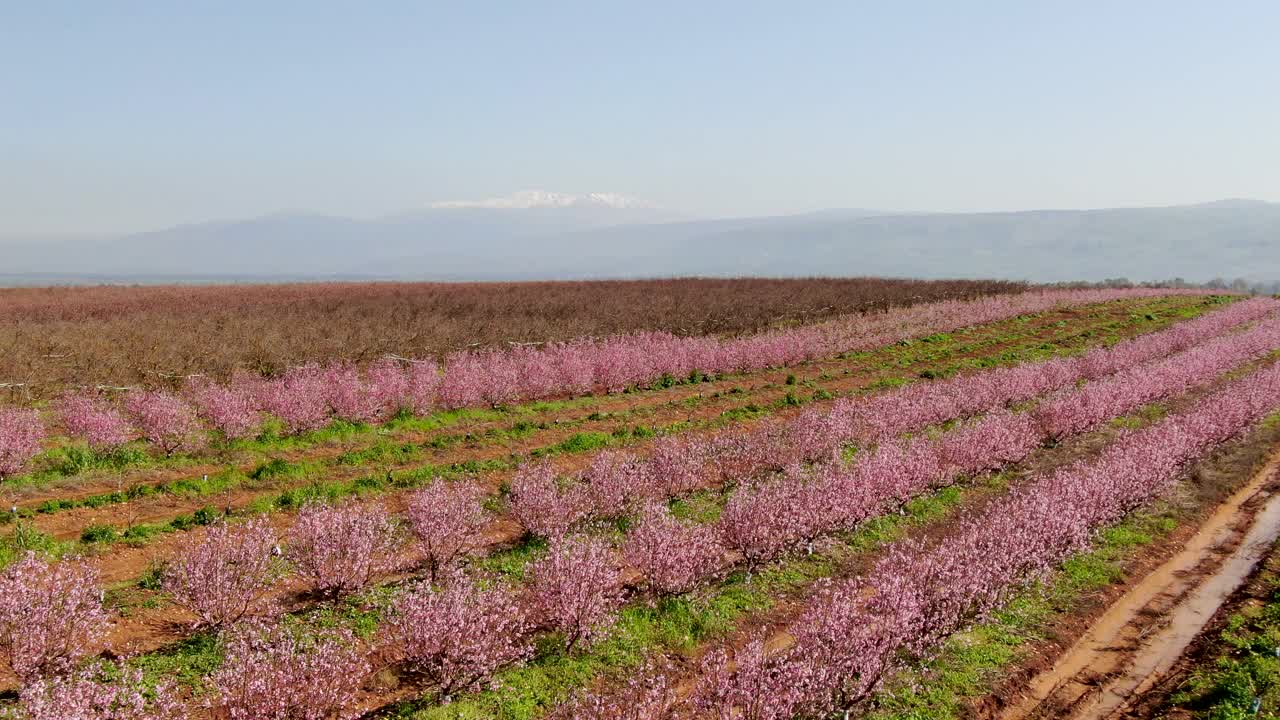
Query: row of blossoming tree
x: 455, y: 633
x: 311, y: 396
x: 857, y: 632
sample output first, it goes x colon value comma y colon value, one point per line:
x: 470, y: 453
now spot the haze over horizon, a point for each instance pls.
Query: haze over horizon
x: 141, y: 116
x: 543, y: 200
x: 551, y: 199
x: 538, y: 235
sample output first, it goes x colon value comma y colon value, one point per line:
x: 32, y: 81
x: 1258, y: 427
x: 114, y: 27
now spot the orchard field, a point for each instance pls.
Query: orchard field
x: 68, y: 337
x: 752, y: 500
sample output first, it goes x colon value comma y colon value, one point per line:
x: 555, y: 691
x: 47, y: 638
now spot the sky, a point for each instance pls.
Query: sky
x: 123, y: 116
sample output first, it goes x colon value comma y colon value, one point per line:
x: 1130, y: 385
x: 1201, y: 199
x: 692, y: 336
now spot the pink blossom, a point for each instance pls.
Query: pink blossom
x: 271, y: 673
x: 646, y: 695
x: 679, y: 464
x: 304, y: 396
x: 21, y: 433
x: 221, y: 578
x: 856, y: 632
x: 390, y: 388
x: 230, y: 409
x: 299, y: 398
x: 616, y: 481
x: 575, y: 588
x: 674, y: 556
x: 50, y: 615
x: 166, y: 420
x: 106, y: 691
x: 761, y: 522
x: 855, y: 653
x: 464, y: 382
x: 998, y: 439
x: 1128, y: 389
x: 739, y: 453
x: 447, y: 518
x: 459, y: 636
x: 349, y: 397
x: 341, y: 549
x: 424, y: 386
x: 543, y: 505
x: 921, y: 592
x: 92, y: 418
x: 753, y: 686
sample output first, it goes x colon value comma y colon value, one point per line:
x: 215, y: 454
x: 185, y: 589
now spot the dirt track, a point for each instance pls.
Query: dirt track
x: 1141, y: 636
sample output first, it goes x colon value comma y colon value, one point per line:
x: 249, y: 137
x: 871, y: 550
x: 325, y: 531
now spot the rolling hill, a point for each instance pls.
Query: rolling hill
x: 600, y: 235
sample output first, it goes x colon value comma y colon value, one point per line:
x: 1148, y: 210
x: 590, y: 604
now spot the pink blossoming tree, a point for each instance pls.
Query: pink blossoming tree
x: 674, y: 556
x: 447, y: 519
x: 106, y: 691
x: 341, y: 549
x: 165, y: 419
x: 95, y: 420
x: 50, y: 615
x: 221, y: 578
x: 575, y: 588
x: 459, y: 636
x: 545, y: 506
x: 273, y: 673
x: 231, y: 409
x: 20, y: 435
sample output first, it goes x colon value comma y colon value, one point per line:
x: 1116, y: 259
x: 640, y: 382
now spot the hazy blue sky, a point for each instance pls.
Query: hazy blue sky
x: 128, y: 115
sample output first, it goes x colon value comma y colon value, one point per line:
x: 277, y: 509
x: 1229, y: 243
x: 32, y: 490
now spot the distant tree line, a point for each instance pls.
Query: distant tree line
x: 1238, y: 285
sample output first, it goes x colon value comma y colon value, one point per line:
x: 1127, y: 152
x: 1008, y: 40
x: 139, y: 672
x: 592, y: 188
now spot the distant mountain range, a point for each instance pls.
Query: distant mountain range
x: 541, y: 235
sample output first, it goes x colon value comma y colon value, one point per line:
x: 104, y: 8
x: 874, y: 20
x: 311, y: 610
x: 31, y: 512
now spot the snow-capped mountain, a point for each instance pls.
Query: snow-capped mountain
x: 528, y: 199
